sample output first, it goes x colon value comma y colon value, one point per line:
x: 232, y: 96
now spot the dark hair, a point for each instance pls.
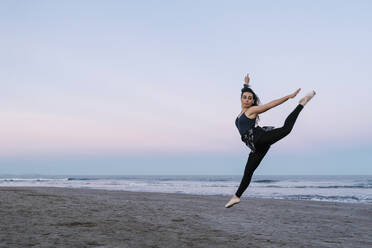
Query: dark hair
x: 255, y: 98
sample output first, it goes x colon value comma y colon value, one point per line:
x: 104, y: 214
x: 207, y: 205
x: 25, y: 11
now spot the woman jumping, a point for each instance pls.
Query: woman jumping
x: 259, y: 139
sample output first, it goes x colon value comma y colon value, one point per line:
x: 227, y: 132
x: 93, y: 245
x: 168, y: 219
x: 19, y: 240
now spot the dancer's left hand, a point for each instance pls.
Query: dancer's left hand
x: 246, y: 79
x: 293, y: 95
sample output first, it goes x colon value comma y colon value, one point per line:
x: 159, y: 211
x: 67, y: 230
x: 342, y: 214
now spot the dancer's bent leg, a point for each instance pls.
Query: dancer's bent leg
x: 272, y: 136
x: 254, y: 160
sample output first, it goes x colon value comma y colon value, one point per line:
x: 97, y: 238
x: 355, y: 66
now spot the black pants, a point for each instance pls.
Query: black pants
x: 263, y: 140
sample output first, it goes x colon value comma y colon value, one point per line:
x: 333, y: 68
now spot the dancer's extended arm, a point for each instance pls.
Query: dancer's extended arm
x: 262, y: 108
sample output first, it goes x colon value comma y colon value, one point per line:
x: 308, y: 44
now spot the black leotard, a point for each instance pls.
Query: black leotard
x: 243, y: 123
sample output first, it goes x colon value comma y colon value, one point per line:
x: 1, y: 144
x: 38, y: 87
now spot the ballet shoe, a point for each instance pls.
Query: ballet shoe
x: 307, y: 98
x: 232, y: 202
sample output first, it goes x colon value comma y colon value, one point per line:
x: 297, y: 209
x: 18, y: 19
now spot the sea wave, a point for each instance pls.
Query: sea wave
x: 81, y: 178
x: 322, y: 187
x: 316, y: 197
x: 265, y: 181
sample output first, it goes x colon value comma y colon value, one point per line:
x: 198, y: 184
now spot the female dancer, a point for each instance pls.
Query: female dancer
x: 259, y: 139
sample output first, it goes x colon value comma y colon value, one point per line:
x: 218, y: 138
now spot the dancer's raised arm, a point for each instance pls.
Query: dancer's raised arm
x: 262, y: 108
x: 246, y: 80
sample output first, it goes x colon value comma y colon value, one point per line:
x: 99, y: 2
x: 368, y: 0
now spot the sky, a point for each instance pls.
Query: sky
x: 153, y: 87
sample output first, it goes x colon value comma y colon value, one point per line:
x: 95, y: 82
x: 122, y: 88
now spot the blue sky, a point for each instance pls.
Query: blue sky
x: 153, y: 87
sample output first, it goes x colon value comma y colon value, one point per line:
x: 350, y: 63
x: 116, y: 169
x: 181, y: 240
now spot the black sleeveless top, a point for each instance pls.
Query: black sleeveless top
x: 243, y: 123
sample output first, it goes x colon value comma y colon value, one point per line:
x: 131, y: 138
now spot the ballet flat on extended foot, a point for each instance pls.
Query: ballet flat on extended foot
x: 307, y: 98
x: 232, y: 202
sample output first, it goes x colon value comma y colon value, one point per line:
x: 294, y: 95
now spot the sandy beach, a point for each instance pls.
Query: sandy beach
x: 66, y: 217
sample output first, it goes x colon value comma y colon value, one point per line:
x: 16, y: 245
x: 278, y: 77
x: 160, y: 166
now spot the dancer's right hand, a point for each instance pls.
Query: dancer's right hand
x: 246, y: 79
x: 294, y: 94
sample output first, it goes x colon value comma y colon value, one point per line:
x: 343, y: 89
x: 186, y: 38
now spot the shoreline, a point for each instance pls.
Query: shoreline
x: 85, y: 217
x: 183, y: 193
x: 328, y: 188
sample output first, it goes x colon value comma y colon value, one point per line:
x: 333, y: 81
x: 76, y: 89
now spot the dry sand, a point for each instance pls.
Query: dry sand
x: 65, y: 217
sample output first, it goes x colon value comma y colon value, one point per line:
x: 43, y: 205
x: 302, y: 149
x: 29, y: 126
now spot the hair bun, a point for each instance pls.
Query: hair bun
x: 245, y: 86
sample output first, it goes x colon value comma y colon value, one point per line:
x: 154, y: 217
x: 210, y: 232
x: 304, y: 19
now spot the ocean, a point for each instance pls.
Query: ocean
x: 349, y: 189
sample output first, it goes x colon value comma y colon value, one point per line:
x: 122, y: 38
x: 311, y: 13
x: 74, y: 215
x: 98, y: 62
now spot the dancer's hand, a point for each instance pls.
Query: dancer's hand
x: 246, y: 79
x: 294, y: 94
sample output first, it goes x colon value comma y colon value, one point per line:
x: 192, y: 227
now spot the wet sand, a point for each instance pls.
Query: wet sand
x: 65, y: 217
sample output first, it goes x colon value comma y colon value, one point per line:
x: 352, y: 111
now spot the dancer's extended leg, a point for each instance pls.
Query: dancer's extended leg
x: 254, y: 160
x: 272, y: 136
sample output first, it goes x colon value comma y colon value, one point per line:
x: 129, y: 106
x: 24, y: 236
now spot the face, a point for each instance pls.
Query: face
x: 247, y: 99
